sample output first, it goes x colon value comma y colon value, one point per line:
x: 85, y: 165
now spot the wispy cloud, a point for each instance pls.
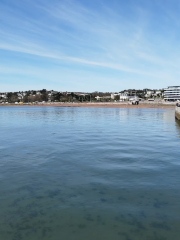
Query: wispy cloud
x: 108, y: 37
x: 73, y: 59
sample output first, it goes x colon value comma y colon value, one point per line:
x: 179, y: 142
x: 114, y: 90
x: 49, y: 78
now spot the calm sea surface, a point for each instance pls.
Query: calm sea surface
x: 89, y: 174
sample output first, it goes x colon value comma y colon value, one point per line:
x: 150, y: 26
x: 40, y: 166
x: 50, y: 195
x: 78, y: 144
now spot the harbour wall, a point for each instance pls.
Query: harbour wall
x: 177, y: 113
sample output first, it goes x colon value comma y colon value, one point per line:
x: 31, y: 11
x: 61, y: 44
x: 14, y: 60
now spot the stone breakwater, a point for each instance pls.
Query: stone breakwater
x: 177, y: 113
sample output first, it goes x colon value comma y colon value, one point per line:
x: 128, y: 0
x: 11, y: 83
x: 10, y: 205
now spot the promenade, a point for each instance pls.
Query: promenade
x: 96, y: 105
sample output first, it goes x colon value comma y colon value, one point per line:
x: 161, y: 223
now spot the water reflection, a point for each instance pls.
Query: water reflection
x: 100, y: 174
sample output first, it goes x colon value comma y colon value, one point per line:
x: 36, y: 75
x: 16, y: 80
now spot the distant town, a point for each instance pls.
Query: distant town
x: 41, y: 96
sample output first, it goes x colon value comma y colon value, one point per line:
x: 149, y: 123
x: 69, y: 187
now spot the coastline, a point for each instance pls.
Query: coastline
x: 95, y: 105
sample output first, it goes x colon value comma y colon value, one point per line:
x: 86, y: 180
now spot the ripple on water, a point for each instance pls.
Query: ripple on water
x: 74, y: 173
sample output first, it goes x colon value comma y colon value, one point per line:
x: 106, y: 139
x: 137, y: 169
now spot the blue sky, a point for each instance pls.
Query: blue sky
x: 97, y: 45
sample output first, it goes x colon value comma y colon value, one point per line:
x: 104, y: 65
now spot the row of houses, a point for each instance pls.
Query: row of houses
x: 43, y: 96
x: 169, y: 94
x: 130, y: 94
x: 27, y: 95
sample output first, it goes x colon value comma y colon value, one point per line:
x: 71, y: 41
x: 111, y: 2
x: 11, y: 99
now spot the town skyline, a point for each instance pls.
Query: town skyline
x: 60, y: 96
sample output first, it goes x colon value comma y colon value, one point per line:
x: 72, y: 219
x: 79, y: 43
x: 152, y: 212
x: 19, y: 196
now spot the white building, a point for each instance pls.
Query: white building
x: 97, y: 98
x: 172, y: 93
x: 104, y: 97
x: 113, y: 95
x: 124, y: 96
x: 158, y: 92
x: 127, y: 95
x: 149, y: 93
x: 3, y: 95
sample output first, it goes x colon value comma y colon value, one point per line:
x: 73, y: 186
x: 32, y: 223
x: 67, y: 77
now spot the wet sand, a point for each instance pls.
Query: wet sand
x: 95, y: 105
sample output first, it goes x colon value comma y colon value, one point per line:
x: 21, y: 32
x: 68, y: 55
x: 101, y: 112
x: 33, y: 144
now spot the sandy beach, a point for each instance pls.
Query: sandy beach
x: 95, y: 105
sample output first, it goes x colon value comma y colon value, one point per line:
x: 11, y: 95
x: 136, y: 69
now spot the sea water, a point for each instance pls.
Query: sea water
x: 89, y: 174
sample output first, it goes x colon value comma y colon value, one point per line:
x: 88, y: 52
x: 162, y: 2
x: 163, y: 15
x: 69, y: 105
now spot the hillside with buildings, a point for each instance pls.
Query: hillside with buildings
x: 169, y: 94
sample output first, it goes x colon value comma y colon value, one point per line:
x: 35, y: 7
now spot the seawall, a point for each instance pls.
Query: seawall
x: 177, y: 113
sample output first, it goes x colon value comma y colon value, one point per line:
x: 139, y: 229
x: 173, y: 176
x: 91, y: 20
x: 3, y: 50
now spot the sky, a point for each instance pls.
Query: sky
x: 83, y: 45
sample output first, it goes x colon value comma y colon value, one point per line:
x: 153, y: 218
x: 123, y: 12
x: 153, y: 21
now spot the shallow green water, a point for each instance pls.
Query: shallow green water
x: 79, y: 173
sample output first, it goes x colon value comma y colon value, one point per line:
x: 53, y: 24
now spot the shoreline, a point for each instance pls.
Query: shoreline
x: 95, y: 105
